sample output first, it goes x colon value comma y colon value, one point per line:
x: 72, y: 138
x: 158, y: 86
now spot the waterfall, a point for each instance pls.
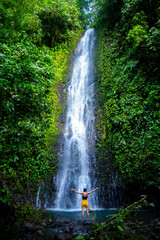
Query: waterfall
x: 76, y: 158
x: 38, y: 202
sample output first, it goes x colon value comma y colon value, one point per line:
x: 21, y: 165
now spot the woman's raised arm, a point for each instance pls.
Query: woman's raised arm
x: 93, y: 190
x: 76, y: 191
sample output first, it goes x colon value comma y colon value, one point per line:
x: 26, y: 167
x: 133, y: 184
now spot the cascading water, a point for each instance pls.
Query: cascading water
x: 77, y: 158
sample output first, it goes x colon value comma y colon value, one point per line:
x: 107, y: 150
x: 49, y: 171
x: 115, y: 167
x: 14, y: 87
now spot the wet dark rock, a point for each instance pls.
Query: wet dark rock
x: 131, y: 224
x: 53, y: 225
x: 59, y: 223
x: 38, y: 227
x: 29, y: 226
x: 141, y: 231
x: 137, y: 237
x: 127, y: 229
x: 71, y: 227
x: 86, y: 222
x: 66, y: 229
x: 59, y: 236
x: 156, y: 238
x: 39, y: 238
x: 66, y: 221
x: 78, y: 222
x: 40, y: 233
x: 49, y: 235
x: 50, y: 221
x: 29, y: 237
x: 43, y: 224
x: 157, y: 228
x: 151, y: 225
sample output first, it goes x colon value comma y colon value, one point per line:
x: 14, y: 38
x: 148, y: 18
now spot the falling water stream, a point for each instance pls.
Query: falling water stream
x: 76, y: 157
x: 77, y: 161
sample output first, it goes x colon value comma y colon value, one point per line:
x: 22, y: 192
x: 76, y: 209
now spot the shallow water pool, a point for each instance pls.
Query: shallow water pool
x: 101, y: 215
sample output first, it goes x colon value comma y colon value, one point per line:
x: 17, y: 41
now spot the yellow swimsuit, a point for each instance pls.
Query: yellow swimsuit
x: 84, y: 202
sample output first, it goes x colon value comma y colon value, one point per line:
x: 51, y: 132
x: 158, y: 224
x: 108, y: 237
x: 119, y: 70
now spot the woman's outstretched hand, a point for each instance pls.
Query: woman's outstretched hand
x: 97, y: 188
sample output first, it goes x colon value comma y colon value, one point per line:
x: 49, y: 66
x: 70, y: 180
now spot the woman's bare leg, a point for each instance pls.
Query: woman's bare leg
x: 87, y: 212
x: 83, y: 213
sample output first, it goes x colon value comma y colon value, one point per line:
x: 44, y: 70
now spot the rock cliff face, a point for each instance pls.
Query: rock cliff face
x: 112, y: 193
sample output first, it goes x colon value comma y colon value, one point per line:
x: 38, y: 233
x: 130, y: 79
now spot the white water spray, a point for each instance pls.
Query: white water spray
x: 38, y: 202
x: 77, y: 159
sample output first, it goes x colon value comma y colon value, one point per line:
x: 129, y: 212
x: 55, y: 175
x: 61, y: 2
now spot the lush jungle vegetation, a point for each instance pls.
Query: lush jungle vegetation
x: 36, y: 38
x: 128, y: 89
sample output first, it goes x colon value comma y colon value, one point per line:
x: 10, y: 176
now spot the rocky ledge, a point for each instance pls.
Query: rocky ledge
x: 57, y: 229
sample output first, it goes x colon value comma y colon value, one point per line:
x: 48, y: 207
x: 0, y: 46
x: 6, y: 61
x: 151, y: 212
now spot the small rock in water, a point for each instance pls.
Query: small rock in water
x: 71, y: 227
x: 66, y: 221
x: 86, y: 222
x: 66, y: 229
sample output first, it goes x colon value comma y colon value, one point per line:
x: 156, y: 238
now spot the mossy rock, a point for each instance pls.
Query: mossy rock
x: 136, y: 237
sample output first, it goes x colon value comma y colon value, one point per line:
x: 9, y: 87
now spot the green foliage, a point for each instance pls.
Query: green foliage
x: 5, y: 196
x: 107, y: 12
x: 81, y: 237
x: 84, y: 9
x: 59, y: 19
x: 26, y: 75
x: 28, y: 213
x: 47, y: 22
x: 113, y: 227
x: 31, y: 76
x: 128, y: 86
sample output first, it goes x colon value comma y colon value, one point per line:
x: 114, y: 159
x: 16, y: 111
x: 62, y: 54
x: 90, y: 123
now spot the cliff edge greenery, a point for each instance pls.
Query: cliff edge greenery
x: 36, y: 39
x: 128, y: 89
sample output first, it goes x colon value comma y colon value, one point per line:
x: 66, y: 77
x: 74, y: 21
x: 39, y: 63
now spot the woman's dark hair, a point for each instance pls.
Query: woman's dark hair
x: 85, y: 190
